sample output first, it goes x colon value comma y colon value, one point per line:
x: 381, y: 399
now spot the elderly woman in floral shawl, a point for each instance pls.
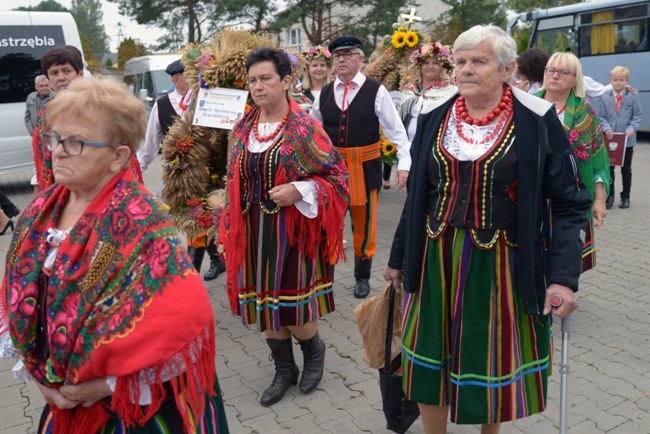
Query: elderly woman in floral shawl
x: 99, y: 299
x: 564, y: 86
x: 282, y: 227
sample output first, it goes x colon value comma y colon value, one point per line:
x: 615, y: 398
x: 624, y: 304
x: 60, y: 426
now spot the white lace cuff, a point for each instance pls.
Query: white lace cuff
x: 308, y: 205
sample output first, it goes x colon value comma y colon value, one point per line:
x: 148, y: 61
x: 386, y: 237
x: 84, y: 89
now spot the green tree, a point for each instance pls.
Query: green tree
x: 253, y: 12
x: 377, y: 22
x: 89, y: 17
x: 45, y: 6
x: 108, y: 63
x: 316, y: 17
x: 184, y: 20
x: 128, y: 49
x: 464, y: 14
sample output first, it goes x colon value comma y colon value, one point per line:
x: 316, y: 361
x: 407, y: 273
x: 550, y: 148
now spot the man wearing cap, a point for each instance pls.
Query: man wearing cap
x: 352, y: 109
x: 162, y: 117
x: 163, y: 112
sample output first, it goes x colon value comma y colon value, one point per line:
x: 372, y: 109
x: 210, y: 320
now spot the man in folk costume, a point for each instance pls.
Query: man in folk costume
x: 352, y: 109
x: 163, y: 115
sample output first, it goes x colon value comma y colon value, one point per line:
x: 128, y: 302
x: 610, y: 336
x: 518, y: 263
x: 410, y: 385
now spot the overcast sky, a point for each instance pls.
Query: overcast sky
x: 146, y: 35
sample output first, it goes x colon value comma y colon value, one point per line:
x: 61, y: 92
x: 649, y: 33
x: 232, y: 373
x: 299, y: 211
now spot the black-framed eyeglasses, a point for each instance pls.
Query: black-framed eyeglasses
x: 553, y: 71
x: 72, y: 147
x: 347, y: 55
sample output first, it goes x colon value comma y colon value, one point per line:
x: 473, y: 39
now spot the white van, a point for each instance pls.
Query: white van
x: 147, y: 78
x: 24, y: 38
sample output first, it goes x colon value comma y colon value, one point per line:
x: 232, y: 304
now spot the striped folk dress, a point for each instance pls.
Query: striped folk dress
x: 467, y: 342
x: 278, y: 284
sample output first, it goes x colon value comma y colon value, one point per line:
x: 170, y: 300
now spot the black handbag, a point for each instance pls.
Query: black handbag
x: 400, y: 412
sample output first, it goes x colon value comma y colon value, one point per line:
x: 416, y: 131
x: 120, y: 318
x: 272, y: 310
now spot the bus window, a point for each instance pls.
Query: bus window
x: 20, y: 63
x: 554, y: 40
x: 614, y: 31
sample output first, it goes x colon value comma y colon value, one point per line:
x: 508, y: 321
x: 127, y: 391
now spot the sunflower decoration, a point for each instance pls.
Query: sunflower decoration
x: 195, y: 156
x: 405, y: 39
x: 412, y: 39
x: 398, y: 40
x: 388, y: 150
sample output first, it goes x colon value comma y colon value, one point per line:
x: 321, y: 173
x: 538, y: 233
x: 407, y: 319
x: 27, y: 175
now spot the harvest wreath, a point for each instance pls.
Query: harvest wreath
x: 195, y: 156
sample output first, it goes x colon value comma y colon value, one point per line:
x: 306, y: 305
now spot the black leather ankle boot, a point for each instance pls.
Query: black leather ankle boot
x: 362, y: 275
x: 217, y: 266
x: 313, y: 351
x: 286, y: 371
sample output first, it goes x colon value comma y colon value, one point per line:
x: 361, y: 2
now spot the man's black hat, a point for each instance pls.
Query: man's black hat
x: 343, y: 42
x: 176, y: 67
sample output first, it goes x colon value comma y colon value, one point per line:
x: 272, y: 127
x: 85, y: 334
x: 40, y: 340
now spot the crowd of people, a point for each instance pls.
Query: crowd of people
x: 102, y: 303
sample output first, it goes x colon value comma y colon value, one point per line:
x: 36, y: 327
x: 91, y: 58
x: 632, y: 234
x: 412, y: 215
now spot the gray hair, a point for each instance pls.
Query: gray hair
x: 39, y: 78
x: 505, y: 48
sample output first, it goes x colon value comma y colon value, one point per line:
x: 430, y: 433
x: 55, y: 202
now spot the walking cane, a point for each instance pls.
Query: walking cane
x: 564, y: 373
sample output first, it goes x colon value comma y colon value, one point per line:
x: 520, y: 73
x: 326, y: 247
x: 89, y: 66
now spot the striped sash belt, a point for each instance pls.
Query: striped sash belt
x: 354, y: 159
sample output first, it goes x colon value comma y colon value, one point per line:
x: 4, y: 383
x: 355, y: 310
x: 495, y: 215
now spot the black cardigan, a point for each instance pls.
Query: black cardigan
x: 546, y: 170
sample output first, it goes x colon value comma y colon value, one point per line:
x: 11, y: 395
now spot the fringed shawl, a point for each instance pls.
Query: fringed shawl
x: 122, y: 298
x: 306, y: 154
x: 586, y: 139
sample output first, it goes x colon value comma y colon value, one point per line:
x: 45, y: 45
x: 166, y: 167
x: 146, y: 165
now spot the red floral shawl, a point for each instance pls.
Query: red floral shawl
x: 43, y: 157
x: 122, y: 297
x: 306, y: 154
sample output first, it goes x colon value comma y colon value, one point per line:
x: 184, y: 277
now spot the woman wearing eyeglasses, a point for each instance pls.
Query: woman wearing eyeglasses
x: 564, y: 86
x: 100, y: 301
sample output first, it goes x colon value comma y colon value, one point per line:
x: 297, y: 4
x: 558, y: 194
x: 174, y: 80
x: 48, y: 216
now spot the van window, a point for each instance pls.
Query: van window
x: 162, y: 82
x: 148, y: 84
x: 21, y: 48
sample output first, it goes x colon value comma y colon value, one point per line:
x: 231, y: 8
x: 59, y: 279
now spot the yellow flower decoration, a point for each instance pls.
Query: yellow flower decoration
x: 388, y: 148
x: 412, y: 38
x: 399, y: 39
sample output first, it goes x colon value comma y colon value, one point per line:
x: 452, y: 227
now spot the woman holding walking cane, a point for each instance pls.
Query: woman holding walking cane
x: 473, y: 248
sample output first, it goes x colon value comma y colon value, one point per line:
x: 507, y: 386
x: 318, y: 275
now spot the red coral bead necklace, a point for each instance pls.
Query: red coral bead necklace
x: 502, y: 110
x: 275, y: 132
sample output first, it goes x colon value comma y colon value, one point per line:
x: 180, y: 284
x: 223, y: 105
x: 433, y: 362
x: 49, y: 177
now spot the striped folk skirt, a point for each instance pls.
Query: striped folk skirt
x: 467, y: 342
x: 589, y: 248
x: 278, y: 285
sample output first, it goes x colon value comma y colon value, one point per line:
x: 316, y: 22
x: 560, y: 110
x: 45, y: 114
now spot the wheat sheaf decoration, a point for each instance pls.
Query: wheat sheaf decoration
x: 195, y: 156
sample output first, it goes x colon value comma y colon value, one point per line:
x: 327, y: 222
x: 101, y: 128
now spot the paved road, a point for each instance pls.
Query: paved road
x: 610, y: 344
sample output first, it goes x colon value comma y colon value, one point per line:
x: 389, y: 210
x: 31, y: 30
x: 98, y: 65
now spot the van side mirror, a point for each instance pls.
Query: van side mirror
x: 144, y: 95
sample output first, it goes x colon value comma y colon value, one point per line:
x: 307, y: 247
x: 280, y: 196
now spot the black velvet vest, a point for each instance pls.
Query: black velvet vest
x: 480, y: 195
x: 357, y: 126
x: 258, y: 171
x: 166, y: 113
